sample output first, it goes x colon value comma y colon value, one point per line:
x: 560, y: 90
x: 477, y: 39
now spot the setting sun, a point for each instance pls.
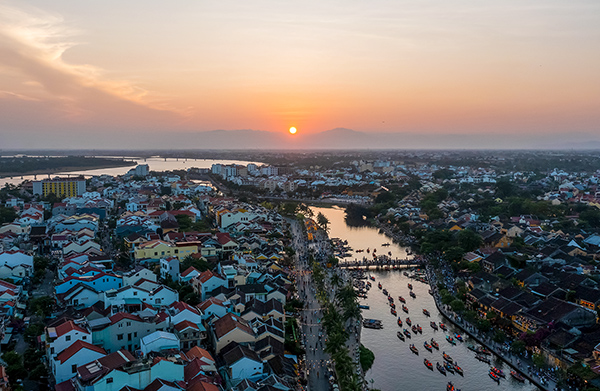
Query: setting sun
x: 293, y: 130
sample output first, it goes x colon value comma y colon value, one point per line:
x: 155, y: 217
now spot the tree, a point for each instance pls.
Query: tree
x: 185, y: 222
x: 323, y: 222
x: 499, y: 336
x: 457, y: 305
x: 469, y: 240
x: 42, y: 306
x: 518, y: 347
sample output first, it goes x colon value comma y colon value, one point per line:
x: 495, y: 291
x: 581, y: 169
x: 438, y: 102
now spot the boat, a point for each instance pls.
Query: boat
x: 371, y: 277
x: 392, y: 305
x: 412, y: 294
x: 449, y: 367
x: 498, y: 371
x: 414, y: 349
x: 372, y: 324
x: 364, y: 307
x: 443, y: 326
x: 449, y: 386
x: 482, y: 350
x: 494, y: 377
x: 435, y: 344
x: 406, y: 274
x: 517, y: 376
x: 482, y: 358
x: 419, y: 329
x: 368, y: 251
x: 407, y: 333
x: 457, y: 369
x: 385, y: 292
x: 414, y: 329
x: 402, y: 299
x: 408, y: 321
x: 428, y: 364
x: 450, y: 339
x: 385, y: 244
x: 458, y: 336
x: 440, y: 368
x: 399, y: 322
x: 409, y: 285
x: 431, y: 292
x: 405, y: 309
x: 393, y: 311
x: 400, y: 335
x: 390, y: 299
x: 433, y: 325
x: 447, y: 357
x: 426, y: 312
x: 390, y: 254
x: 379, y: 286
x: 427, y: 346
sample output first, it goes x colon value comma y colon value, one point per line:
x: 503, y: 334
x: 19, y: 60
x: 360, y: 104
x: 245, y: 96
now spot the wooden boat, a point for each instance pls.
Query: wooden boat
x: 482, y: 358
x: 414, y: 349
x: 385, y: 292
x: 427, y: 346
x: 393, y: 311
x: 419, y: 329
x: 482, y: 350
x: 498, y: 371
x: 428, y: 364
x: 379, y: 286
x: 407, y: 333
x: 405, y: 309
x: 431, y: 292
x: 449, y: 386
x: 390, y: 299
x: 450, y: 339
x: 399, y: 322
x: 368, y: 251
x: 392, y: 305
x: 457, y: 369
x: 414, y: 329
x: 447, y: 357
x: 434, y: 344
x: 409, y: 285
x: 440, y: 368
x: 433, y: 325
x: 412, y: 294
x: 425, y: 312
x: 364, y: 307
x: 372, y: 277
x: 495, y: 377
x: 385, y: 244
x: 449, y: 367
x: 458, y: 336
x: 402, y: 299
x: 517, y: 376
x: 406, y: 274
x: 372, y: 324
x: 443, y: 326
x: 408, y: 321
x: 400, y: 335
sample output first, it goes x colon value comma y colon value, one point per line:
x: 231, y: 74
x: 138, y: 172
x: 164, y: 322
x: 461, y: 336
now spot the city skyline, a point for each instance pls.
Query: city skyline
x: 505, y: 75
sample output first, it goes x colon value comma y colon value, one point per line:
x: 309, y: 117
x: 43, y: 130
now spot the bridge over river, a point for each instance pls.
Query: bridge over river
x: 379, y: 263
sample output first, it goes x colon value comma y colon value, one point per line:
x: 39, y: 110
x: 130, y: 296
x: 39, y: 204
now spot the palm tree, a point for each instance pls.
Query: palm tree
x: 336, y: 280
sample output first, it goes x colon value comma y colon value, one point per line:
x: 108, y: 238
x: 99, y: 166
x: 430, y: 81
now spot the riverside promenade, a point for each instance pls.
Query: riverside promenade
x: 515, y: 362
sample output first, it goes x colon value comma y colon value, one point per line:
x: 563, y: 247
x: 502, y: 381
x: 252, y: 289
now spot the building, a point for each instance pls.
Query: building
x: 61, y: 187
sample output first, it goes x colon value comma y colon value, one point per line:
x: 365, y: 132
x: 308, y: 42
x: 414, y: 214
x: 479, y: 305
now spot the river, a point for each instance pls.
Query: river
x: 155, y: 163
x: 395, y: 366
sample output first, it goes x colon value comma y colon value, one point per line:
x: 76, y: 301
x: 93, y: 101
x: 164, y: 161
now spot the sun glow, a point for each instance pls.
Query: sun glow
x: 293, y: 130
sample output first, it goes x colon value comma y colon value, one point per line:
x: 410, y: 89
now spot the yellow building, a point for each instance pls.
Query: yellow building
x: 61, y: 187
x: 157, y: 249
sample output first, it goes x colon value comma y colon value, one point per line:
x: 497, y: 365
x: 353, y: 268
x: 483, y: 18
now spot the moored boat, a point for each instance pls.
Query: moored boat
x: 372, y: 324
x: 458, y: 336
x: 399, y: 322
x: 410, y: 286
x: 426, y: 312
x: 363, y: 307
x: 392, y: 305
x: 405, y: 309
x: 402, y: 299
x: 434, y: 344
x: 450, y: 339
x: 482, y: 358
x: 449, y: 386
x: 393, y: 311
x: 494, y: 377
x: 428, y: 363
x: 419, y: 329
x: 408, y: 321
x: 443, y: 326
x: 412, y: 294
x: 379, y: 286
x: 433, y: 325
x: 385, y: 292
x: 414, y: 329
x: 440, y: 368
x: 517, y: 376
x: 407, y: 333
x: 372, y: 277
x: 449, y: 367
x: 427, y: 346
x: 400, y: 335
x: 447, y: 357
x: 414, y: 349
x: 498, y: 371
x: 457, y: 369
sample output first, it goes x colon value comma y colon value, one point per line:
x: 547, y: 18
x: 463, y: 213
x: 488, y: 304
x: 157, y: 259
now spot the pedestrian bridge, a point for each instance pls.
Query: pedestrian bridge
x: 380, y: 263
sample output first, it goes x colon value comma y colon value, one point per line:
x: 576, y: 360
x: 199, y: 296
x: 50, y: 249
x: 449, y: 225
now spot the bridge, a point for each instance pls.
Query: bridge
x: 367, y: 264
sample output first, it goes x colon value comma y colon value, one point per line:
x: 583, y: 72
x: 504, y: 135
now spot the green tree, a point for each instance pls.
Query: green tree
x: 185, y: 222
x: 469, y: 240
x: 323, y: 222
x: 518, y: 347
x: 42, y: 306
x: 457, y: 305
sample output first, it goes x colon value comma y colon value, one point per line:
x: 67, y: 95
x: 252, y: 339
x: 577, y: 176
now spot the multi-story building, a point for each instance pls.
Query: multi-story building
x: 61, y: 187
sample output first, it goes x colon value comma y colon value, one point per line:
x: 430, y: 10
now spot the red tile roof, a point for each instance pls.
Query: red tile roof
x: 76, y: 347
x: 64, y: 328
x: 230, y: 322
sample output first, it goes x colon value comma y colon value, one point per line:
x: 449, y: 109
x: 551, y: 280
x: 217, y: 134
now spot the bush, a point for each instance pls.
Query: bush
x: 366, y: 358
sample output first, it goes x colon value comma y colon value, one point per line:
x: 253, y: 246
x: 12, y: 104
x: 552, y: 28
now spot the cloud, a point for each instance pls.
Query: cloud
x: 32, y: 45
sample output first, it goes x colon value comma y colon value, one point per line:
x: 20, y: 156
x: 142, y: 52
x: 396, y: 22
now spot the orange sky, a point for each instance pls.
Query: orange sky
x: 72, y: 68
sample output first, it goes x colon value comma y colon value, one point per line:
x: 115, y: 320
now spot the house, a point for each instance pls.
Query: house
x: 124, y: 331
x: 212, y: 307
x: 188, y: 333
x: 243, y: 363
x: 101, y: 282
x: 264, y: 310
x: 205, y: 362
x: 64, y: 365
x: 138, y: 273
x: 80, y: 296
x: 169, y: 267
x: 64, y: 335
x: 231, y: 328
x: 206, y: 282
x: 189, y: 274
x: 159, y: 341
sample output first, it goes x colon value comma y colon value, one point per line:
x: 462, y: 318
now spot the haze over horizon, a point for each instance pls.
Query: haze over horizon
x: 393, y: 74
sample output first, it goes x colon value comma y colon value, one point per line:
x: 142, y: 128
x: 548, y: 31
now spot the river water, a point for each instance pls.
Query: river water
x: 155, y: 163
x: 396, y: 367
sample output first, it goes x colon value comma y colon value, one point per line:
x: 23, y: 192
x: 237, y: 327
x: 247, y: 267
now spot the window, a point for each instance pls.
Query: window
x: 119, y: 337
x: 109, y: 380
x: 73, y: 368
x: 135, y: 334
x: 120, y: 325
x: 129, y: 337
x: 68, y: 338
x: 84, y: 337
x: 128, y: 323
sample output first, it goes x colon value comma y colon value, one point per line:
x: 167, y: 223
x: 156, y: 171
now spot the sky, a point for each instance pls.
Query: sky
x: 143, y: 73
